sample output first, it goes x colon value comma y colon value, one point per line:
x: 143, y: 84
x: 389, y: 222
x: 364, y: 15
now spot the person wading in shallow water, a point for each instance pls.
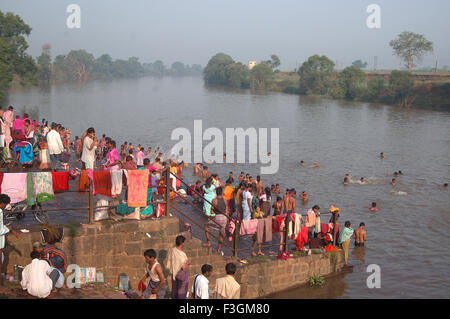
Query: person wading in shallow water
x: 344, y: 240
x: 360, y: 235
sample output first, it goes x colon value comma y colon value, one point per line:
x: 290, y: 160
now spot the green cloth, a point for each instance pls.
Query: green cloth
x: 149, y: 210
x: 345, y: 234
x: 123, y: 209
x: 30, y: 189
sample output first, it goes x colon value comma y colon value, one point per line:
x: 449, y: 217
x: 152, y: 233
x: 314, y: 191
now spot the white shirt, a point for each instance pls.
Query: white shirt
x: 88, y: 155
x: 55, y: 145
x: 3, y: 231
x: 201, y: 287
x: 35, y: 278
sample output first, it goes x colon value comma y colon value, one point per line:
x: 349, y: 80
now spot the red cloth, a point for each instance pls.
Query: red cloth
x: 302, y: 238
x: 323, y: 228
x: 102, y: 182
x: 60, y: 181
x: 1, y: 181
x: 331, y: 248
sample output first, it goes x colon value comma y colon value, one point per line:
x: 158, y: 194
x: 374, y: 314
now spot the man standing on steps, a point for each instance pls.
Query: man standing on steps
x: 177, y: 262
x: 227, y: 287
x: 200, y: 288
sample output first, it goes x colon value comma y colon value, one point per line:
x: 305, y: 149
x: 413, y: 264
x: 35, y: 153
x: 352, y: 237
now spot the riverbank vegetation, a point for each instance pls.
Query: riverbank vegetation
x: 318, y: 76
x: 17, y: 68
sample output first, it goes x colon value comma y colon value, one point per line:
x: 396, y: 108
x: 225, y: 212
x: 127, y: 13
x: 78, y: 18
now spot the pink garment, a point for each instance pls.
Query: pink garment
x: 15, y: 186
x: 140, y: 158
x: 137, y: 188
x: 90, y: 174
x: 18, y: 125
x: 249, y: 227
x: 232, y: 228
x: 113, y: 156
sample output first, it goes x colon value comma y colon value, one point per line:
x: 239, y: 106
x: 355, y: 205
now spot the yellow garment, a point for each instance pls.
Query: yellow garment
x: 175, y: 260
x: 257, y: 214
x: 227, y: 288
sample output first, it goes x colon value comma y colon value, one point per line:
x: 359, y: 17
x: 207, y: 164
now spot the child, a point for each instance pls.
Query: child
x: 44, y: 157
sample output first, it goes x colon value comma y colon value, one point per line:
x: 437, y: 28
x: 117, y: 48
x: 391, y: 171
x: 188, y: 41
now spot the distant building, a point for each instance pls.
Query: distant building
x: 251, y: 64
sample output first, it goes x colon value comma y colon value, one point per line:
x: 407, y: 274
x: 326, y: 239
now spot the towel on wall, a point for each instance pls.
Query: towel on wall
x: 15, y: 186
x: 102, y: 182
x: 137, y: 188
x: 43, y: 186
x: 60, y: 181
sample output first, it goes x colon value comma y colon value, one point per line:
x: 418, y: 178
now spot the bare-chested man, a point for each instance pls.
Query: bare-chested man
x: 259, y: 187
x: 205, y: 173
x: 304, y: 197
x: 289, y: 204
x: 360, y: 235
x: 241, y: 177
x: 196, y: 169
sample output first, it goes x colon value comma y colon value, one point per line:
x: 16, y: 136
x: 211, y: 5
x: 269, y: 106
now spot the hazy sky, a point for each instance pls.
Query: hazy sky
x: 192, y: 31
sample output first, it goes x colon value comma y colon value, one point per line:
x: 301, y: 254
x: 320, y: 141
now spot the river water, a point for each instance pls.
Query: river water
x: 408, y: 237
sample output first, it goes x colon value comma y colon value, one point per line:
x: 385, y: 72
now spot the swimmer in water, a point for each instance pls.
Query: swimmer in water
x: 269, y: 154
x: 395, y: 174
x: 400, y: 173
x: 381, y: 155
x: 346, y: 179
x: 374, y: 207
x: 393, y: 182
x: 302, y: 163
x: 446, y: 186
x: 362, y: 180
x: 315, y: 164
x: 304, y: 197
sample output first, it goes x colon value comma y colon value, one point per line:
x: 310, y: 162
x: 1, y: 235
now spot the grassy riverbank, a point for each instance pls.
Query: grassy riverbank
x: 429, y: 89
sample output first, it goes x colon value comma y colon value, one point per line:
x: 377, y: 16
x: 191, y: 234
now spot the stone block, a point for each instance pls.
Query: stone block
x: 134, y: 249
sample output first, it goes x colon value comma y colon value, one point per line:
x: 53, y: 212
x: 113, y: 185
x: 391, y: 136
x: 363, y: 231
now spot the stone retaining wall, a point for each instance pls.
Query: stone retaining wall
x: 117, y: 248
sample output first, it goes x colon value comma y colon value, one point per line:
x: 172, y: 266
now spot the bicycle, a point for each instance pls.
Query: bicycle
x: 8, y: 163
x: 16, y: 213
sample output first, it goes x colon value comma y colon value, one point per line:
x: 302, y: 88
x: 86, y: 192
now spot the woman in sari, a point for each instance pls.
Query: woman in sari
x: 209, y: 194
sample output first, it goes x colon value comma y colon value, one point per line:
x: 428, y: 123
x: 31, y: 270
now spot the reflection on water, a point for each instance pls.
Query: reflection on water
x: 407, y: 237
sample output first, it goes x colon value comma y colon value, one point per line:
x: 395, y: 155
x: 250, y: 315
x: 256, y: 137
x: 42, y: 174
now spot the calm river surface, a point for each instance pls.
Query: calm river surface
x: 408, y: 237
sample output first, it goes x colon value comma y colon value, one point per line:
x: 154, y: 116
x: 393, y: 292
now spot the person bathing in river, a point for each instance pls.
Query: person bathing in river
x: 393, y: 182
x: 218, y: 221
x: 360, y: 235
x: 277, y: 206
x: 304, y: 197
x: 362, y: 180
x: 302, y: 163
x: 205, y: 173
x: 344, y: 240
x: 374, y: 207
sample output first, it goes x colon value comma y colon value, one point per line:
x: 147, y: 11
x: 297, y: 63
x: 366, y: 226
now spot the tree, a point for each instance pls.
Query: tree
x: 401, y: 86
x: 316, y: 75
x: 261, y: 76
x: 411, y: 47
x: 359, y: 64
x: 352, y: 80
x: 178, y: 68
x: 13, y: 56
x: 79, y: 65
x: 274, y: 61
x: 44, y: 64
x: 103, y: 67
x: 238, y: 75
x: 215, y: 71
x: 376, y: 88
